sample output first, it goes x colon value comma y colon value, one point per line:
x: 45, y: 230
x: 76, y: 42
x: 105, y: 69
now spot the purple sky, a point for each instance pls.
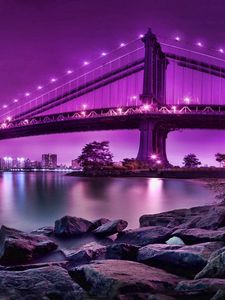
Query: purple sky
x: 41, y: 39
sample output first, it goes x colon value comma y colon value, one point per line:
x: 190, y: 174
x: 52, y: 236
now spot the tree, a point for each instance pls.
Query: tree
x: 134, y: 164
x: 220, y: 157
x: 191, y: 161
x: 95, y: 155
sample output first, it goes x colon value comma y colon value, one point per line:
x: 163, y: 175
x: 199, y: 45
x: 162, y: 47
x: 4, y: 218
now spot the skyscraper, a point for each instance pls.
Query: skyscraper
x: 49, y: 161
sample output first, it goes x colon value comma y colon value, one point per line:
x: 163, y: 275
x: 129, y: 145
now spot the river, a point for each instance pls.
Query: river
x: 32, y: 200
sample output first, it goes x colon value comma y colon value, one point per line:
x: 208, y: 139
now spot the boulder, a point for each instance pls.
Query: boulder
x: 200, y: 289
x: 176, y: 259
x: 100, y: 222
x: 109, y: 278
x: 175, y: 241
x: 20, y: 247
x: 24, y: 267
x: 144, y: 296
x: 111, y: 227
x: 72, y: 226
x: 144, y: 236
x: 121, y: 251
x: 217, y: 252
x: 198, y: 235
x: 85, y: 254
x: 220, y: 295
x: 205, y: 217
x: 43, y: 283
x: 214, y: 268
x: 173, y: 218
x: 47, y: 230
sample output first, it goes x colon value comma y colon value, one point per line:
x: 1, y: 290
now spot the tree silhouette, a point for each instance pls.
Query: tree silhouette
x: 220, y: 157
x: 95, y: 155
x: 191, y: 161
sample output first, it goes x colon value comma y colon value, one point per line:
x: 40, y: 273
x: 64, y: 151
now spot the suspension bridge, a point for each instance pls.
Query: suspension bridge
x: 146, y: 85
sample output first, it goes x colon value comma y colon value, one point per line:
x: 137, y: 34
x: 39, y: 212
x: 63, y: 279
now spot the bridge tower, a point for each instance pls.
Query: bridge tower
x: 153, y: 134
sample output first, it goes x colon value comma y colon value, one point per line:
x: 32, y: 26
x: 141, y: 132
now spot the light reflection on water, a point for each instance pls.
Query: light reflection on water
x: 32, y: 200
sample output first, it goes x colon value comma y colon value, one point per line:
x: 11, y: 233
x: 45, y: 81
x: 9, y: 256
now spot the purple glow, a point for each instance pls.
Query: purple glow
x: 84, y: 106
x: 53, y: 80
x: 86, y: 63
x: 153, y: 156
x: 122, y: 45
x: 177, y: 38
x: 103, y: 54
x: 221, y: 50
x: 199, y: 44
x: 40, y: 87
x: 69, y: 72
x: 8, y: 119
x: 187, y: 100
x: 158, y: 162
x: 15, y: 100
x: 146, y: 107
x: 141, y: 36
x: 27, y: 94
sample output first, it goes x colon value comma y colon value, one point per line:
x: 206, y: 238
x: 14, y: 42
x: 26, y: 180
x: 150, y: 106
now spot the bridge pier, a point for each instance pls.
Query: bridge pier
x: 153, y: 142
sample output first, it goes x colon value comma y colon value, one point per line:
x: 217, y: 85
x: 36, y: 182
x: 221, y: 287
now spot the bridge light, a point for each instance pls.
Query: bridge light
x: 53, y: 80
x: 177, y: 38
x: 27, y: 94
x: 199, y: 44
x: 8, y: 119
x: 141, y: 36
x: 146, y: 107
x: 134, y: 97
x: 68, y: 72
x: 5, y: 106
x: 86, y: 63
x: 174, y: 108
x: 103, y: 54
x: 39, y: 87
x: 153, y: 156
x: 84, y: 106
x: 3, y: 125
x: 122, y: 45
x: 158, y: 162
x: 83, y: 113
x: 119, y: 110
x: 15, y: 100
x: 26, y: 121
x: 221, y: 50
x: 187, y: 100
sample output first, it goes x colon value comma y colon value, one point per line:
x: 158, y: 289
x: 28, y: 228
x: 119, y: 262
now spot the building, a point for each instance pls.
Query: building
x: 49, y: 161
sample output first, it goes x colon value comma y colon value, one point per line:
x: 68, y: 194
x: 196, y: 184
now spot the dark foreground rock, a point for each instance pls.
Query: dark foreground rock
x: 110, y: 228
x: 200, y: 289
x: 182, y: 260
x: 85, y: 254
x: 72, y: 226
x: 110, y: 278
x: 214, y: 268
x: 204, y: 217
x: 197, y: 235
x: 43, y: 283
x: 122, y: 251
x: 46, y: 230
x: 144, y: 236
x: 20, y: 247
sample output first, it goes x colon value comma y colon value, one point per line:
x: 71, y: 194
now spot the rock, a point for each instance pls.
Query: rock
x: 62, y: 264
x: 173, y: 218
x: 205, y: 217
x: 201, y: 288
x: 111, y: 278
x: 47, y: 230
x: 175, y: 241
x: 144, y: 296
x: 121, y: 251
x: 176, y: 259
x: 42, y: 283
x: 85, y: 254
x: 144, y: 236
x: 220, y: 295
x: 111, y: 228
x: 71, y: 226
x: 20, y: 247
x: 197, y: 235
x: 214, y: 268
x: 217, y: 252
x: 100, y: 222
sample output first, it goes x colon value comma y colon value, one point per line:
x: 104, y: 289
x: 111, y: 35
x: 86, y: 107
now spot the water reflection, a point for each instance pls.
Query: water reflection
x: 31, y: 200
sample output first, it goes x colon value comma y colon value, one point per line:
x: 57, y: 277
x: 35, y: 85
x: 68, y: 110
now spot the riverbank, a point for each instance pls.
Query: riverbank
x: 181, y: 173
x: 172, y: 255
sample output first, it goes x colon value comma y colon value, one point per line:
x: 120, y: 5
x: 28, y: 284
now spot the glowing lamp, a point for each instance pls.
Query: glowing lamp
x: 27, y: 94
x: 15, y: 100
x: 199, y: 44
x: 69, y: 72
x: 187, y: 100
x: 153, y: 156
x: 122, y: 45
x: 53, y: 80
x: 5, y: 106
x: 141, y: 36
x: 8, y: 119
x: 39, y: 87
x: 177, y: 38
x: 86, y: 63
x: 84, y: 106
x: 146, y: 107
x: 103, y: 54
x: 158, y: 162
x: 119, y: 110
x: 221, y: 50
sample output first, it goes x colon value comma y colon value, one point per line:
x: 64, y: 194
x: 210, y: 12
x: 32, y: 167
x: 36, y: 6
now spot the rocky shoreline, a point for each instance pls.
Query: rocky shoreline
x: 178, y: 254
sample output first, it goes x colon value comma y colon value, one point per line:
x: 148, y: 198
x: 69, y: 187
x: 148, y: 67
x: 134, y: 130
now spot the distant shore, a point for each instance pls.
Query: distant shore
x: 197, y: 173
